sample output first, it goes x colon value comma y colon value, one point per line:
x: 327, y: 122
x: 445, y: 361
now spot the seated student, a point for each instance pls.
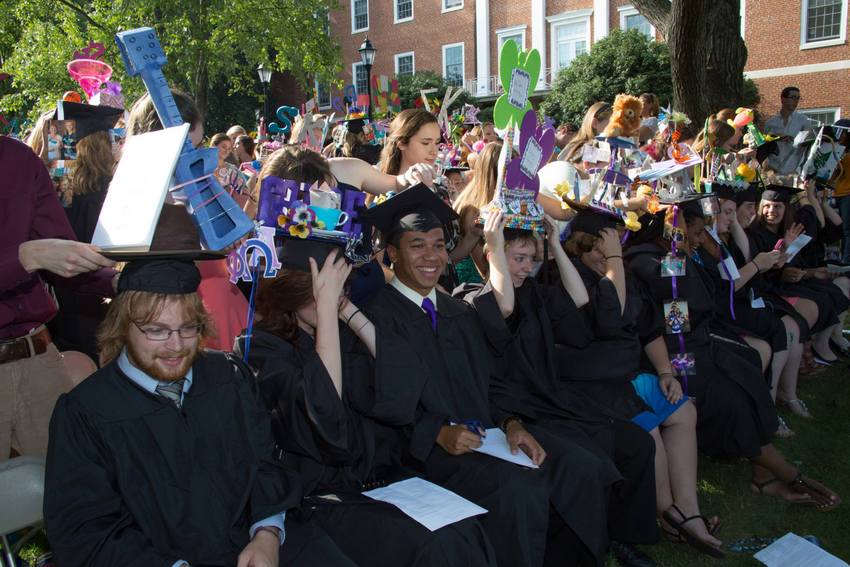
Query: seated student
x: 535, y: 317
x: 315, y: 376
x: 735, y: 413
x: 628, y: 335
x: 818, y: 300
x: 433, y: 370
x: 164, y: 456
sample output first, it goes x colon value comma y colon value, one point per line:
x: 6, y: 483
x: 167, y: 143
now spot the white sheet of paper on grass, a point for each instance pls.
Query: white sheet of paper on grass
x: 431, y: 505
x: 793, y: 551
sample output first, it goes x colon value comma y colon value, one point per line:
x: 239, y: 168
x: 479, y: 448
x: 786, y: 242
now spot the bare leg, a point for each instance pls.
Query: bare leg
x: 791, y: 371
x: 762, y: 348
x: 678, y: 440
x: 844, y: 284
x: 820, y: 343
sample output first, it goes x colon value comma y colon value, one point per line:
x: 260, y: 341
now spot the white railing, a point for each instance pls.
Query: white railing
x: 491, y: 86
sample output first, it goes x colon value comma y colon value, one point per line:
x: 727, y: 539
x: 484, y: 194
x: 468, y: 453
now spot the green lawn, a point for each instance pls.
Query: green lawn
x: 821, y: 448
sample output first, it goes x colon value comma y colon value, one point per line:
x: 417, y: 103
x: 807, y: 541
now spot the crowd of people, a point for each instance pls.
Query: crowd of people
x: 209, y: 423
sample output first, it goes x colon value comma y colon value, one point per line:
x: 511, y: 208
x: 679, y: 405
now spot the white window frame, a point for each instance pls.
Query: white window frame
x: 405, y: 54
x: 629, y: 10
x: 571, y: 17
x: 355, y: 30
x: 462, y: 61
x: 511, y: 31
x: 318, y: 100
x: 840, y: 40
x: 354, y: 67
x: 452, y: 9
x: 807, y: 111
x: 396, y: 20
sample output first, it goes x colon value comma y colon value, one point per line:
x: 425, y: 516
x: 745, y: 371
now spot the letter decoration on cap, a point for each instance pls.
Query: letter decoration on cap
x: 221, y: 222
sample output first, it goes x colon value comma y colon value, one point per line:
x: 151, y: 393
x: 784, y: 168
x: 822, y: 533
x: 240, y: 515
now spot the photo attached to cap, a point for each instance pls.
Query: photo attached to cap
x: 683, y: 364
x: 676, y: 317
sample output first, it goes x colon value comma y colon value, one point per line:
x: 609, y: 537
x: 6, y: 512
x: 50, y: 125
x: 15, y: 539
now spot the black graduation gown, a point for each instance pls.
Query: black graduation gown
x: 735, y: 413
x: 75, y: 325
x: 338, y: 451
x: 425, y: 380
x: 525, y: 386
x: 828, y: 297
x: 133, y: 481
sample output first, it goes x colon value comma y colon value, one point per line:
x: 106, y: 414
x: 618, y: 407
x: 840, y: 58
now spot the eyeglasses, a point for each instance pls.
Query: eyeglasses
x: 162, y: 334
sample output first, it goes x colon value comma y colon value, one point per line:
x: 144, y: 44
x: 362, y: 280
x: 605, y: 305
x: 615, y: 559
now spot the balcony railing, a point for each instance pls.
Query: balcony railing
x: 491, y: 86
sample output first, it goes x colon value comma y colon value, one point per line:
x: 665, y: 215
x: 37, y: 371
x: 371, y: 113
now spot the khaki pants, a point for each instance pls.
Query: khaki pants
x: 29, y: 388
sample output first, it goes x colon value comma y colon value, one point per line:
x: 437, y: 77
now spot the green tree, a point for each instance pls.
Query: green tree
x: 623, y: 62
x: 207, y: 42
x: 409, y: 87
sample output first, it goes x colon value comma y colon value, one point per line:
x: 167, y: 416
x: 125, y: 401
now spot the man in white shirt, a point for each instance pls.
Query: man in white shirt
x: 787, y: 124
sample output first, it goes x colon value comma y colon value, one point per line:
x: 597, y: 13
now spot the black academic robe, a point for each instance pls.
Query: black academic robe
x: 528, y: 386
x: 338, y: 452
x: 425, y: 380
x: 736, y: 415
x: 828, y: 297
x: 75, y: 325
x: 131, y: 480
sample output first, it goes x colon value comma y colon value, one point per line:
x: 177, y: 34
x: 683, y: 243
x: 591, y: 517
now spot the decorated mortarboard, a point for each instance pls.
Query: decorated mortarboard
x: 88, y: 118
x: 593, y: 221
x: 168, y: 276
x: 417, y: 209
x: 823, y: 157
x: 624, y: 122
x: 779, y: 193
x: 737, y: 190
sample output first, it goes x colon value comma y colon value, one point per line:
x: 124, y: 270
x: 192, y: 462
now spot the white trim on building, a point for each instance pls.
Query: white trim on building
x: 799, y: 69
x: 804, y: 25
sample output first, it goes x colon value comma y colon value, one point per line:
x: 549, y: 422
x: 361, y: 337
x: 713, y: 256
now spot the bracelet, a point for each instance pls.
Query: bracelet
x: 508, y: 421
x: 665, y: 372
x: 274, y: 531
x: 614, y: 256
x: 753, y: 262
x: 347, y: 321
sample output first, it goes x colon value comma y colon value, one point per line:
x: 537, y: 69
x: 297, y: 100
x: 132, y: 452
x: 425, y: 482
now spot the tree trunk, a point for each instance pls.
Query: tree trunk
x: 202, y: 83
x: 723, y: 84
x: 686, y: 38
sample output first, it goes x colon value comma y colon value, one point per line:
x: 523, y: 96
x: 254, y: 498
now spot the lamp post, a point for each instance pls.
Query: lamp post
x: 265, y: 78
x: 367, y: 57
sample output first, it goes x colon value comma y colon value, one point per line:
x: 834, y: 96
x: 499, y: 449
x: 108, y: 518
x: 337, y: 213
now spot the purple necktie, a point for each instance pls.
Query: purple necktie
x: 428, y: 307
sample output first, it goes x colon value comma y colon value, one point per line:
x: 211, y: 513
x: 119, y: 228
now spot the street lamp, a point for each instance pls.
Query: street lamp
x: 367, y: 57
x: 265, y: 78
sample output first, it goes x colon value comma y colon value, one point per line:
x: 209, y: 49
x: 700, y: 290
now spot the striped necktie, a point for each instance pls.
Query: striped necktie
x: 172, y: 390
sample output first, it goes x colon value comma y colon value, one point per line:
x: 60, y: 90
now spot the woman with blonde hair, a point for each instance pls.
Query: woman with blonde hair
x: 595, y: 120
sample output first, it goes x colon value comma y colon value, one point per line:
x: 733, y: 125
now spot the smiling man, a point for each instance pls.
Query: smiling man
x: 164, y: 456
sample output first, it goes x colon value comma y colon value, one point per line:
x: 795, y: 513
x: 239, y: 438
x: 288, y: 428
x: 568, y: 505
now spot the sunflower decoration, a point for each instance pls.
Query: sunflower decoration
x: 299, y: 219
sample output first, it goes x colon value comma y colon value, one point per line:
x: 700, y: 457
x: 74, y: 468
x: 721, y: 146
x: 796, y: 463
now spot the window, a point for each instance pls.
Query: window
x: 360, y: 78
x: 405, y: 64
x: 823, y: 23
x: 359, y: 16
x: 570, y: 33
x: 631, y: 19
x: 403, y: 11
x: 453, y: 64
x: 323, y: 95
x: 449, y: 5
x: 821, y: 116
x: 516, y: 33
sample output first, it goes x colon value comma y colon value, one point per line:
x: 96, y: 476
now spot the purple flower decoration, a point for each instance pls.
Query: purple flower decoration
x: 536, y: 144
x: 111, y: 87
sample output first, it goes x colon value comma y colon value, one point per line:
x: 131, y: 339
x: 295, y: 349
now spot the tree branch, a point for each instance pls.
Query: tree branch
x: 82, y: 13
x: 657, y: 12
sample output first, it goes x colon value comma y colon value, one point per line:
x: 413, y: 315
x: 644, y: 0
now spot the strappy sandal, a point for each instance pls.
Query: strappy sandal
x: 759, y: 488
x: 821, y: 495
x: 691, y: 539
x: 797, y: 407
x: 782, y: 430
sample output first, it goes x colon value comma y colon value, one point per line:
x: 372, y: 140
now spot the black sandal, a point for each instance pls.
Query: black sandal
x: 691, y: 539
x: 817, y: 491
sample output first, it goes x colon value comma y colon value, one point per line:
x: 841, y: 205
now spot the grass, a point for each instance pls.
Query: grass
x: 821, y: 449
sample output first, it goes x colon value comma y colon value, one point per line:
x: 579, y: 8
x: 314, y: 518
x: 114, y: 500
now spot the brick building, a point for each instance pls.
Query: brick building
x: 803, y: 42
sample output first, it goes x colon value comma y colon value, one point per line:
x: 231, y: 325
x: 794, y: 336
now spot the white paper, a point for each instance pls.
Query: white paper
x: 138, y: 189
x: 591, y: 153
x: 496, y: 445
x: 836, y: 269
x: 520, y: 83
x: 793, y: 551
x: 757, y: 303
x: 431, y: 505
x: 731, y: 267
x: 531, y: 158
x: 796, y: 246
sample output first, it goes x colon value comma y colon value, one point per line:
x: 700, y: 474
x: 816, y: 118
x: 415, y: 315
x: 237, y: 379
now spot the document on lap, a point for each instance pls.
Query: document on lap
x: 496, y: 445
x: 432, y: 506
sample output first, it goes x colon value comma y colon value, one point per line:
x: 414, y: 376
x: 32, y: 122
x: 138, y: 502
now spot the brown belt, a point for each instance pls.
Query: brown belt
x: 24, y: 347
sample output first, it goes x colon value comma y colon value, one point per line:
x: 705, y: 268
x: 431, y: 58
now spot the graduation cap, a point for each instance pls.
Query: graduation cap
x: 739, y: 191
x: 169, y: 276
x: 779, y: 193
x: 89, y: 118
x: 594, y: 221
x: 175, y: 238
x: 296, y: 253
x: 355, y: 125
x: 417, y: 209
